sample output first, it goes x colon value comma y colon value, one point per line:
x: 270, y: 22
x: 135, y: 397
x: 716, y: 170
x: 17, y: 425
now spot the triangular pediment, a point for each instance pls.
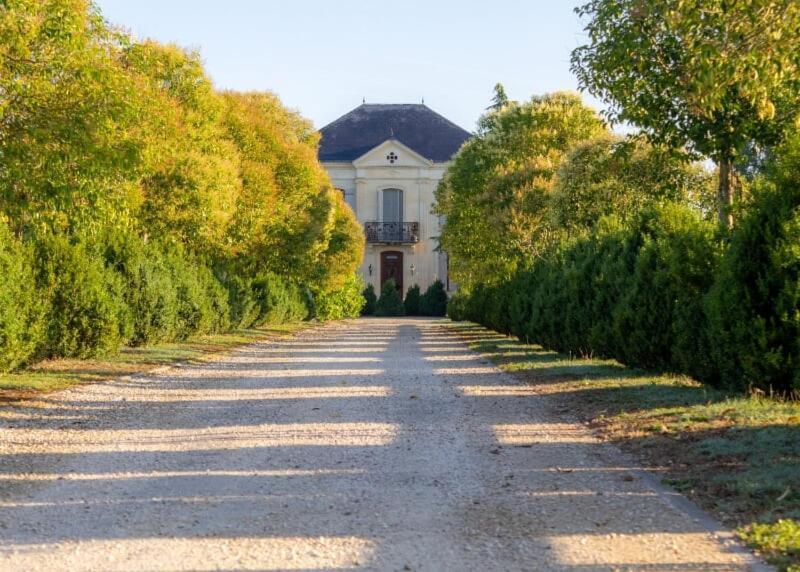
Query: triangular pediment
x: 392, y: 153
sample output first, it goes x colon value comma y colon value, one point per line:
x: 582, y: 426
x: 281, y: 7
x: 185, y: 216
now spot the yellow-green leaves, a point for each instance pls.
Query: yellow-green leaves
x: 713, y: 75
x: 495, y: 195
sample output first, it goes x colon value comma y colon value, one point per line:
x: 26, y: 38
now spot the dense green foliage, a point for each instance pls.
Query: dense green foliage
x: 370, y: 300
x: 754, y: 307
x: 611, y: 175
x: 496, y: 192
x: 22, y: 308
x: 711, y: 74
x: 412, y: 301
x: 390, y: 302
x: 86, y: 315
x: 347, y: 301
x: 660, y: 290
x: 434, y: 301
x: 157, y: 207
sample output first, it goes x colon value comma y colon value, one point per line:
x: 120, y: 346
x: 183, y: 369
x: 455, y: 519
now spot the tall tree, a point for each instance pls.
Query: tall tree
x: 713, y: 75
x: 495, y: 195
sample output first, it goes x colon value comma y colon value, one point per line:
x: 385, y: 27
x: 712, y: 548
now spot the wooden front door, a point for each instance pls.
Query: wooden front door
x: 392, y: 267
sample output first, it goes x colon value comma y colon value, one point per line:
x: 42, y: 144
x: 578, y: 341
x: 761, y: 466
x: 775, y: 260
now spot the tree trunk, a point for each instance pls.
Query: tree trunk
x: 725, y: 193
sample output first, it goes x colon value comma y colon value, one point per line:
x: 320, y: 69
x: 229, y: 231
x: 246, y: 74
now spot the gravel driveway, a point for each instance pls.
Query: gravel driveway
x: 374, y: 444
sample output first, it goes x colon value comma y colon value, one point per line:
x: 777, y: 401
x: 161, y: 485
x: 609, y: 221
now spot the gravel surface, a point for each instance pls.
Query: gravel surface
x: 375, y: 444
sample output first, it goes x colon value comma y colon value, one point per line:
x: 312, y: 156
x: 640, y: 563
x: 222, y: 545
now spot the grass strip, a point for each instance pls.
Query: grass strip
x: 737, y: 456
x: 55, y: 375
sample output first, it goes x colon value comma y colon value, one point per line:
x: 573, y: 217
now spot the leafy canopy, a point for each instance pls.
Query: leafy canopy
x: 713, y: 75
x: 495, y: 194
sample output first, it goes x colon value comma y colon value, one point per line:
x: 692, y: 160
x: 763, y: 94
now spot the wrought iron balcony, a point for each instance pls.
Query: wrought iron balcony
x: 392, y: 232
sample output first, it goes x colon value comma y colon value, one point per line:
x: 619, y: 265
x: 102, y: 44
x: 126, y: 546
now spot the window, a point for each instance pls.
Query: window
x: 392, y: 205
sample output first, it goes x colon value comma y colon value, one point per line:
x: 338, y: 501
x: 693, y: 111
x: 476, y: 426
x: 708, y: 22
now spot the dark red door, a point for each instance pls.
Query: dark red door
x: 392, y: 267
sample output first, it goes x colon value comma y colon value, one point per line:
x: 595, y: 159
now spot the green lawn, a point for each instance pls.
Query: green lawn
x: 737, y: 456
x: 53, y: 375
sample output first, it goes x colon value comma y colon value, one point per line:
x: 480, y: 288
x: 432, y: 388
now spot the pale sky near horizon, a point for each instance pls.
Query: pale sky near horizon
x: 322, y: 58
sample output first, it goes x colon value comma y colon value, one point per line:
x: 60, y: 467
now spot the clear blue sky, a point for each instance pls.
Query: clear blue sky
x: 322, y: 57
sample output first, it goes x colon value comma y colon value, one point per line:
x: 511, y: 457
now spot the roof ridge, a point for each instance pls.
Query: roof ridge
x: 416, y: 125
x: 341, y: 118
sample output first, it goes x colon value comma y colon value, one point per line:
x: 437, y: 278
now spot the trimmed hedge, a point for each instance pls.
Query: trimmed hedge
x: 63, y: 297
x: 345, y: 302
x: 22, y: 308
x: 662, y: 293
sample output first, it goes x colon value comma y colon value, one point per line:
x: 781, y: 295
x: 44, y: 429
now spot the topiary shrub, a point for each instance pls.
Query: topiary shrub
x: 390, y: 303
x: 22, y: 310
x: 370, y: 301
x: 86, y: 314
x: 345, y: 302
x: 434, y: 301
x: 413, y: 301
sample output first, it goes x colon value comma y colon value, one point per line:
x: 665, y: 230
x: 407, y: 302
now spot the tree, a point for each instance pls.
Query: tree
x: 495, y: 194
x: 287, y: 211
x: 500, y: 99
x: 713, y: 75
x: 70, y: 142
x: 614, y: 175
x: 191, y: 176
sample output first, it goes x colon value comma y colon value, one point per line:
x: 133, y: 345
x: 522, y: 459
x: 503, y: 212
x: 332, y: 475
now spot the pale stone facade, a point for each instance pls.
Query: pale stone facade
x: 391, y: 189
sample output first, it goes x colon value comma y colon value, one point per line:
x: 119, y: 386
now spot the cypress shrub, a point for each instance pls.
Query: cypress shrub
x: 434, y: 301
x: 456, y: 307
x: 243, y: 305
x: 370, y: 300
x: 754, y: 305
x: 195, y: 309
x: 412, y: 301
x: 149, y: 293
x: 390, y: 303
x: 659, y: 318
x: 22, y: 310
x: 87, y: 316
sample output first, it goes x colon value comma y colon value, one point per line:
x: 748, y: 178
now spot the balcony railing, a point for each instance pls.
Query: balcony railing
x: 392, y: 232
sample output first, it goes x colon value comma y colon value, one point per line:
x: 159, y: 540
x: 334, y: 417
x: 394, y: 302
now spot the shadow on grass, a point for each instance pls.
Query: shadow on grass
x: 738, y: 456
x: 58, y: 374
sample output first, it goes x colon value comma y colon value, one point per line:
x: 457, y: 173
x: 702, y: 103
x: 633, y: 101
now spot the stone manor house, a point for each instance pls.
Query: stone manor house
x: 387, y: 160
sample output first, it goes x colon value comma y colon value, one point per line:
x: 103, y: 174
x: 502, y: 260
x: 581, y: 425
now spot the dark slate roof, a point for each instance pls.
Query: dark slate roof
x: 368, y: 125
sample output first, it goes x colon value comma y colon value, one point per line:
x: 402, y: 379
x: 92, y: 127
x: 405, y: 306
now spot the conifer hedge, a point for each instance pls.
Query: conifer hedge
x: 664, y: 292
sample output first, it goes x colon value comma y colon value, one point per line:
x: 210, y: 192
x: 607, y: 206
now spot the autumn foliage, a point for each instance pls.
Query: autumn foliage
x: 138, y: 204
